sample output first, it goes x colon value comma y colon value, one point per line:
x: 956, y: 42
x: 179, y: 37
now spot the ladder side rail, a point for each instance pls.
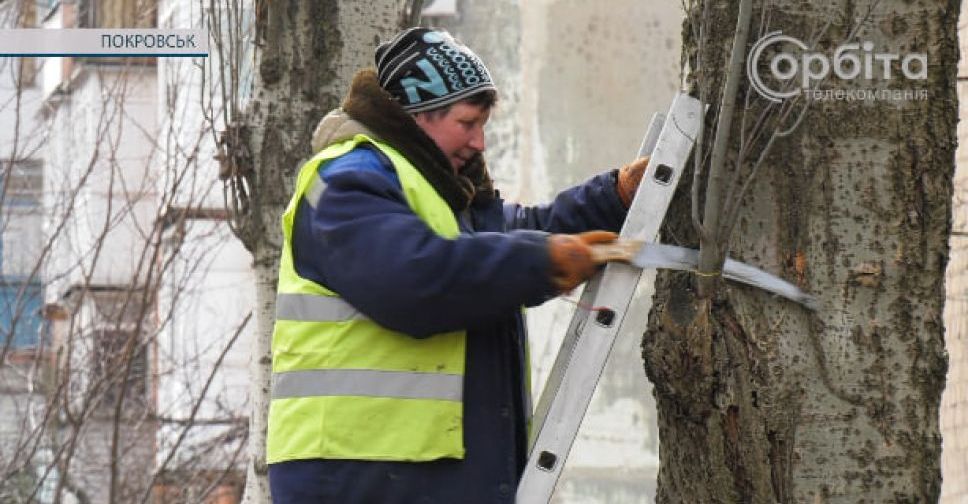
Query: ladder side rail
x: 553, y: 382
x: 593, y: 340
x: 661, y: 176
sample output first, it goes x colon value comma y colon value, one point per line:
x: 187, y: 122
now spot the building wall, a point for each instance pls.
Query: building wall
x: 199, y: 359
x: 98, y: 177
x: 20, y: 219
x: 954, y: 402
x: 19, y: 395
x: 21, y: 134
x: 100, y: 208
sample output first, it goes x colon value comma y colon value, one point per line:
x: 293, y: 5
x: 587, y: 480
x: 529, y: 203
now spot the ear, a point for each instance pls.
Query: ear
x: 422, y: 119
x: 426, y: 121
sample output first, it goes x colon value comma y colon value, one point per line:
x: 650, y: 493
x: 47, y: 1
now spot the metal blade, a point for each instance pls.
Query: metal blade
x: 661, y: 256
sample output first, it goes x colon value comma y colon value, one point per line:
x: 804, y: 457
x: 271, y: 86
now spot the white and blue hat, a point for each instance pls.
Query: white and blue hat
x: 425, y: 69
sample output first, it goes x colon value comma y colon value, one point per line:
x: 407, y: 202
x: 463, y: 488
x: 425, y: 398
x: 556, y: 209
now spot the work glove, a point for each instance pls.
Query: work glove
x: 571, y: 257
x: 629, y: 178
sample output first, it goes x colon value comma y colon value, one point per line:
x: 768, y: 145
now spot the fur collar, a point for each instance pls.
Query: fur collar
x: 368, y: 109
x: 336, y: 127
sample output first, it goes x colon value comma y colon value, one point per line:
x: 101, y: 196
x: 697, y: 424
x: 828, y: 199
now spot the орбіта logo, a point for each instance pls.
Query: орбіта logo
x: 794, y: 69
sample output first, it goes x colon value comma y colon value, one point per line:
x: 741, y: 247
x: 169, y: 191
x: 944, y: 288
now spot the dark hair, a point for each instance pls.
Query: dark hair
x: 486, y: 98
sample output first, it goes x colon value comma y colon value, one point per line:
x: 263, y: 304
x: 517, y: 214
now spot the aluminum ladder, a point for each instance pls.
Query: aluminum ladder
x: 591, y: 334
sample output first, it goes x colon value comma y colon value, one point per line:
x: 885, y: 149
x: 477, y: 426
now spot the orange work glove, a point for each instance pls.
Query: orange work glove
x: 629, y: 177
x: 571, y: 257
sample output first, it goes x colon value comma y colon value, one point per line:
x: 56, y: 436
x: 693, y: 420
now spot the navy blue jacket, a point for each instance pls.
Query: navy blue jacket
x: 364, y: 242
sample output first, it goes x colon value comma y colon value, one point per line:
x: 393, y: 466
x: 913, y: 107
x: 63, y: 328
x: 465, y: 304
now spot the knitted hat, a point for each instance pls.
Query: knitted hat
x: 424, y: 69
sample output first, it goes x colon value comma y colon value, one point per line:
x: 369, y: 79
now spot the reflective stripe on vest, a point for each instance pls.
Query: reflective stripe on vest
x: 343, y: 386
x: 367, y: 383
x: 310, y: 308
x: 315, y: 191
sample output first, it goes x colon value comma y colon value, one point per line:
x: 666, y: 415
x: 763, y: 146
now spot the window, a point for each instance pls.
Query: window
x: 118, y: 14
x: 115, y: 342
x: 21, y: 238
x: 109, y: 361
x: 21, y: 295
x: 24, y: 184
x: 20, y: 320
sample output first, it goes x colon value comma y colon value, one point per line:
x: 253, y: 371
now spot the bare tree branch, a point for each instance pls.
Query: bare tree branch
x: 198, y: 403
x: 711, y: 254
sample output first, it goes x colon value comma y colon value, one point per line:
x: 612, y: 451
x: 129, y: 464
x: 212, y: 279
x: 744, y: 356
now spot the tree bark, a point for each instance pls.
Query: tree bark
x: 758, y: 399
x: 308, y: 53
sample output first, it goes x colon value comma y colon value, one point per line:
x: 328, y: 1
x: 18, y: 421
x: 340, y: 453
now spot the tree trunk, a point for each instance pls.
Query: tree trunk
x: 308, y: 53
x: 760, y: 400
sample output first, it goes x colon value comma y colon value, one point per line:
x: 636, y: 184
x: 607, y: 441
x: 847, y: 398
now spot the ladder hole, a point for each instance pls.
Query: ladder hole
x: 663, y: 174
x: 547, y: 460
x: 605, y: 317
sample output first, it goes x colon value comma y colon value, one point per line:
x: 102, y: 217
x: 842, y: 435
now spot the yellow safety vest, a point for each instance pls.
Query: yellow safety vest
x: 343, y: 387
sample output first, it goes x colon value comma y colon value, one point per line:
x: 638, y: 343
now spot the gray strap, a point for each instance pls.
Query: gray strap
x: 367, y: 383
x: 312, y: 308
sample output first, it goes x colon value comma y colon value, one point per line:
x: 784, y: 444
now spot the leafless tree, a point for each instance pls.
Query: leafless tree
x: 761, y: 400
x: 306, y: 56
x: 121, y: 397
